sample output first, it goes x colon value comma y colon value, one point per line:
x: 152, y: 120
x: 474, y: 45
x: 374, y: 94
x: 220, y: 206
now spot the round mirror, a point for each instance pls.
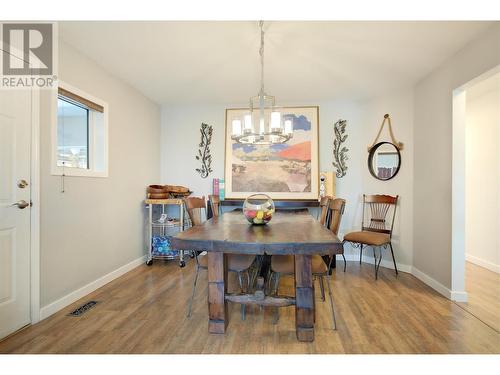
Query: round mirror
x: 384, y: 161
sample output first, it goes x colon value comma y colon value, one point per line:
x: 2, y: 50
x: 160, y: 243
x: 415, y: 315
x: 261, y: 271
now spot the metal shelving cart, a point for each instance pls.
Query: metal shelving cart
x: 165, y: 229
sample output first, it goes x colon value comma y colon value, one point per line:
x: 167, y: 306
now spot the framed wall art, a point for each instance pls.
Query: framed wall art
x: 288, y: 171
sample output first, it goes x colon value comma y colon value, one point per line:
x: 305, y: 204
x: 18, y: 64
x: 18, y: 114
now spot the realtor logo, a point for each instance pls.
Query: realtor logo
x: 28, y: 54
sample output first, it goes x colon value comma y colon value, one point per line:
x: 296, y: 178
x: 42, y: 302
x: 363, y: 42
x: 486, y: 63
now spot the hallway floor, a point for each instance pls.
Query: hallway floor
x: 483, y: 290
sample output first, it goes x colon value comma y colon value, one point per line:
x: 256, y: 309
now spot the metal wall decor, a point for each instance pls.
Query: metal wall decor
x: 204, y: 155
x: 340, y: 152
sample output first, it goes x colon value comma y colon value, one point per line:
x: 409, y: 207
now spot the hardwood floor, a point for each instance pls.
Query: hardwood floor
x: 144, y: 311
x: 483, y: 289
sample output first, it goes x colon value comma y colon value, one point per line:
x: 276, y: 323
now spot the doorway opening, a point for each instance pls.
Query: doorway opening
x: 476, y: 197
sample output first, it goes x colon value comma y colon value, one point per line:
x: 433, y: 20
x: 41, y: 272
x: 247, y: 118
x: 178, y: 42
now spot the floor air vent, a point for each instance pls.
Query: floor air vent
x: 83, y: 309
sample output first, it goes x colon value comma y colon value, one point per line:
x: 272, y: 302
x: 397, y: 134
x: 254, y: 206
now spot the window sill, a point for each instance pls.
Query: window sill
x: 69, y: 172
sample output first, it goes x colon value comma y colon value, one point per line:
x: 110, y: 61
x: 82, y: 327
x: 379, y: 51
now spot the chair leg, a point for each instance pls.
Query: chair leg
x: 192, y: 293
x: 243, y: 306
x: 393, y: 259
x: 322, y: 288
x: 377, y: 265
x: 345, y: 261
x: 275, y: 293
x: 360, y: 253
x: 252, y: 276
x: 375, y: 261
x: 269, y: 286
x: 243, y: 311
x: 270, y: 276
x: 331, y: 302
x: 240, y: 281
x: 249, y: 278
x: 276, y: 283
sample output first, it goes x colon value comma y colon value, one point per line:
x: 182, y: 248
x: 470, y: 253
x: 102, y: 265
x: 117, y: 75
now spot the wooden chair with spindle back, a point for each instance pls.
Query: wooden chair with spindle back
x: 196, y: 208
x: 324, y: 209
x: 214, y: 204
x: 238, y: 263
x: 378, y: 232
x: 336, y: 209
x: 284, y: 265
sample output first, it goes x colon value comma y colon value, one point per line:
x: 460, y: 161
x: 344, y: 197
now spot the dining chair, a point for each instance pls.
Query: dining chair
x: 238, y: 263
x: 284, y: 265
x: 214, y: 201
x: 336, y: 209
x: 378, y: 231
x: 256, y: 266
x: 324, y: 219
x: 323, y: 209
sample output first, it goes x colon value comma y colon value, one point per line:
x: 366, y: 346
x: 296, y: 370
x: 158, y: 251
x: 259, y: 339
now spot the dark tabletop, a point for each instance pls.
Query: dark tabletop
x: 289, y: 232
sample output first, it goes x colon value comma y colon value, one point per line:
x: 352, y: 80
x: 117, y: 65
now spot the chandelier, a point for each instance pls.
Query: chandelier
x: 263, y: 125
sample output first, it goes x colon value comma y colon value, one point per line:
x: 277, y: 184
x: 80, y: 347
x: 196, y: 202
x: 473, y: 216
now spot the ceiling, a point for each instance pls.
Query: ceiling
x: 210, y: 62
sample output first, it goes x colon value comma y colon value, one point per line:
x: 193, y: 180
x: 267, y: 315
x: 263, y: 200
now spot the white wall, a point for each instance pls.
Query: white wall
x: 433, y: 131
x: 180, y: 137
x: 96, y: 226
x: 399, y: 105
x: 482, y: 172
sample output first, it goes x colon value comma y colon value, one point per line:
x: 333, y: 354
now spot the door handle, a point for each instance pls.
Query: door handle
x: 21, y: 204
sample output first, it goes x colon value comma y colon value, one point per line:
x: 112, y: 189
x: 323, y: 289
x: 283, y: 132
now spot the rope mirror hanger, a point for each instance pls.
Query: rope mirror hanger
x: 398, y: 145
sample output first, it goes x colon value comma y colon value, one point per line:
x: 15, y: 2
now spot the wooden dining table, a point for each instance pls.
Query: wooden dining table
x: 290, y: 232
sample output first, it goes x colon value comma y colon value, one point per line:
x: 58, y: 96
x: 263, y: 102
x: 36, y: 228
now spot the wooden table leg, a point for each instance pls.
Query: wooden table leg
x: 304, y: 296
x: 217, y: 289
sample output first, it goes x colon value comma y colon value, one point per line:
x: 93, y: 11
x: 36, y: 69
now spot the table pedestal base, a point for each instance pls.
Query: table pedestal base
x: 218, y: 296
x: 217, y: 289
x: 304, y: 298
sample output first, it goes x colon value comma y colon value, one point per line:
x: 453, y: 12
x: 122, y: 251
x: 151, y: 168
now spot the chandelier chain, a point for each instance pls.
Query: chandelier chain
x: 261, y: 53
x: 265, y: 124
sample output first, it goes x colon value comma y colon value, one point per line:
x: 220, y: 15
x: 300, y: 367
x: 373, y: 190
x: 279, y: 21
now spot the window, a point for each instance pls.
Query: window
x: 72, y: 134
x: 80, y: 134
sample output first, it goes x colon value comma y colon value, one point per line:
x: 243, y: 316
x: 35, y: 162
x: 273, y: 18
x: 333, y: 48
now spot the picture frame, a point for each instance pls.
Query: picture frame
x: 287, y: 171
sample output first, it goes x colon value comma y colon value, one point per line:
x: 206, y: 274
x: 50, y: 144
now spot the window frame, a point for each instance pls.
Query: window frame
x: 92, y: 136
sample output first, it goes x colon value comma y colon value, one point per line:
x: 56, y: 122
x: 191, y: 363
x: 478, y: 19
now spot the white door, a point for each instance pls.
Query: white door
x: 15, y: 191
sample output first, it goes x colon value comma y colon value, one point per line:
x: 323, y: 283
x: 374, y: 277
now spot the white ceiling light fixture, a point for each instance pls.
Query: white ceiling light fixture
x: 264, y: 125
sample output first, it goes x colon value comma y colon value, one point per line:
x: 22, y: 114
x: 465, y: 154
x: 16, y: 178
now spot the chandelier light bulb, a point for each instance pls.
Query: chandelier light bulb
x: 275, y: 120
x: 236, y: 127
x: 248, y: 122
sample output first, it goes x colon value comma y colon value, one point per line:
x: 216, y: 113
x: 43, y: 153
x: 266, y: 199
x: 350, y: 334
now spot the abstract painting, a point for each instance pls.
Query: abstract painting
x: 282, y: 171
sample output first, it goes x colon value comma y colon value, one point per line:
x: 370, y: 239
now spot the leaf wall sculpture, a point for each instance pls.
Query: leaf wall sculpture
x: 204, y: 155
x: 340, y: 152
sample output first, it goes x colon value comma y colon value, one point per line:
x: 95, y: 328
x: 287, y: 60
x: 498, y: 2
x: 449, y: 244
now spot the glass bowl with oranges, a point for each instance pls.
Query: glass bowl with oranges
x: 258, y: 209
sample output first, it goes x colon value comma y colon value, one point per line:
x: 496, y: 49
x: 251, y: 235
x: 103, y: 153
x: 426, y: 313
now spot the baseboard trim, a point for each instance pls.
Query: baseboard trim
x: 68, y: 299
x: 436, y: 285
x: 458, y: 296
x: 483, y: 263
x: 384, y: 263
x: 454, y: 295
